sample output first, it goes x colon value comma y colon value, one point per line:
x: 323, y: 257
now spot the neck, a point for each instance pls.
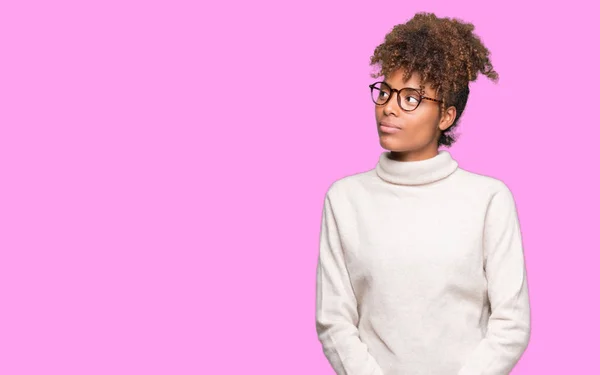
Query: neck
x: 423, y: 153
x: 415, y: 172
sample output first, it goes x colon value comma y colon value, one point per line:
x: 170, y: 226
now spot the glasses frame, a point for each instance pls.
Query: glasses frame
x: 398, y: 92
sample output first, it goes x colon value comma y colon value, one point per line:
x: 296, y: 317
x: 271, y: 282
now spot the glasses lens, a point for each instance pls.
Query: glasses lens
x: 409, y: 99
x: 380, y: 93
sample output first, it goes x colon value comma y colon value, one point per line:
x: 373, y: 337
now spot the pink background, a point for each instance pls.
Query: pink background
x: 163, y: 168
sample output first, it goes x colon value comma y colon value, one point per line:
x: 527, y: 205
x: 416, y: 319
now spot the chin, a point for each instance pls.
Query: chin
x: 389, y: 143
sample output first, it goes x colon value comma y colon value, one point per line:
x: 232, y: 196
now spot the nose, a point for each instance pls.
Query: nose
x: 392, y: 104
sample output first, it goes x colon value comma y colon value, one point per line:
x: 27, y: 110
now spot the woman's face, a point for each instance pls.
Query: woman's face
x: 417, y: 132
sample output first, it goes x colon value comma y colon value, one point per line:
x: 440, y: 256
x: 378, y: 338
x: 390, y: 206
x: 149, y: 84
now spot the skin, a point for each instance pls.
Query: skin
x: 421, y: 128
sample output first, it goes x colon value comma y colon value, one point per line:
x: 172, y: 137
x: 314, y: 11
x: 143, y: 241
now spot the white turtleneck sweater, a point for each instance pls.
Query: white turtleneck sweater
x: 421, y: 271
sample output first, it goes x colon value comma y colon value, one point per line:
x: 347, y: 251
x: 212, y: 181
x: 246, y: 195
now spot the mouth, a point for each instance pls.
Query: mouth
x: 389, y: 128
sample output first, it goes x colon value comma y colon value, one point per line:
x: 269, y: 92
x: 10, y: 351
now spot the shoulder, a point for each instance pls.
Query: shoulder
x: 493, y: 193
x: 348, y: 185
x: 481, y: 182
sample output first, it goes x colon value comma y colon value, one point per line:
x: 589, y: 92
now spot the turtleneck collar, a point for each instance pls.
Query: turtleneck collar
x: 415, y: 172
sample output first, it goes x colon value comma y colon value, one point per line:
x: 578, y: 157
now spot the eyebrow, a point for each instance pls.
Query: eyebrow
x: 407, y: 87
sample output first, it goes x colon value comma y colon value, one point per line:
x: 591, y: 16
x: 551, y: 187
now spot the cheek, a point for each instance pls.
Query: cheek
x: 423, y: 126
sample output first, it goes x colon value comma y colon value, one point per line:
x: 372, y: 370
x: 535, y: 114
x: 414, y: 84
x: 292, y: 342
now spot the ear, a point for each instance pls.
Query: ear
x: 447, y: 118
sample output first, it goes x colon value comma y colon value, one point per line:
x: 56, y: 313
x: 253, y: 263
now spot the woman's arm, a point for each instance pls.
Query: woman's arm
x: 336, y: 306
x: 508, y: 330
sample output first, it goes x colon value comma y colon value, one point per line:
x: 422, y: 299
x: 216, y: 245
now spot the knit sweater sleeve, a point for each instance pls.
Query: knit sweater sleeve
x: 508, y: 329
x: 336, y: 304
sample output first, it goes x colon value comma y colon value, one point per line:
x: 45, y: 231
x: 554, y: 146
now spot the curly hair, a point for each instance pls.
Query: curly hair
x: 444, y: 52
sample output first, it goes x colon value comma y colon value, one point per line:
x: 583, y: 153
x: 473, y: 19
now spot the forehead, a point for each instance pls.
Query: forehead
x: 396, y: 80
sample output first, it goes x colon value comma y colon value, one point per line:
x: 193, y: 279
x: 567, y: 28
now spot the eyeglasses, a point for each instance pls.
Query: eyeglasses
x: 408, y: 98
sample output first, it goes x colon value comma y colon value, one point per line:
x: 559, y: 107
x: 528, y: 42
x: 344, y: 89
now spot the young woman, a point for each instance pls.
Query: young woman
x: 421, y: 267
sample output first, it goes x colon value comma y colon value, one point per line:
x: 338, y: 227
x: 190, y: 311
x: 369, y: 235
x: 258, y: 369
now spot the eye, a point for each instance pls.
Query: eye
x: 415, y: 100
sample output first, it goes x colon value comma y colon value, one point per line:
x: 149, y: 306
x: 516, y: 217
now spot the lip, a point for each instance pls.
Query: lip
x: 389, y: 128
